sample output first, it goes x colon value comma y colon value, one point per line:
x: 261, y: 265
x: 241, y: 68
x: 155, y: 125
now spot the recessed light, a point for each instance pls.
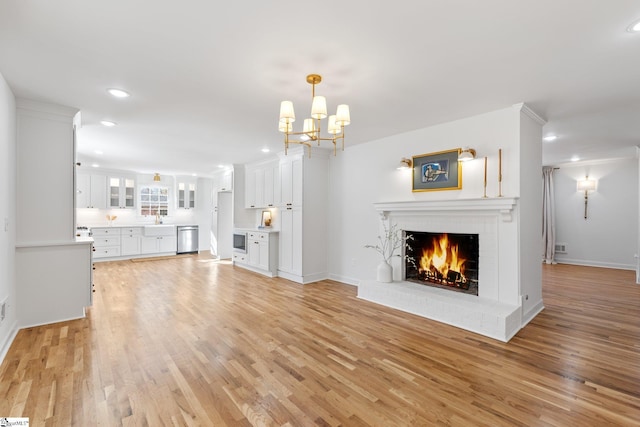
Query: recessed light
x: 265, y: 150
x: 98, y: 152
x: 635, y: 27
x: 550, y: 138
x: 95, y: 165
x: 575, y: 158
x: 118, y: 93
x: 194, y: 174
x: 107, y: 123
x: 220, y: 166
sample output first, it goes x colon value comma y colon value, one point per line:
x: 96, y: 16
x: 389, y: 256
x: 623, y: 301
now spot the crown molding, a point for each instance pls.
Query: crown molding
x: 524, y: 108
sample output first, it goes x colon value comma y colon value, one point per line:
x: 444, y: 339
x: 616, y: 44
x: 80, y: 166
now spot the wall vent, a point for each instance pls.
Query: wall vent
x: 561, y: 248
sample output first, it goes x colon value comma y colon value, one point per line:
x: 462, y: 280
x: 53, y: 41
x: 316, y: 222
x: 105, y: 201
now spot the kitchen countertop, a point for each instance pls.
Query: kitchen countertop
x: 135, y: 225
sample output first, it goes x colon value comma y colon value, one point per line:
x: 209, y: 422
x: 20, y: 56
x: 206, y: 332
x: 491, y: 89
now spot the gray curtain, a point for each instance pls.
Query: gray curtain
x: 548, y: 217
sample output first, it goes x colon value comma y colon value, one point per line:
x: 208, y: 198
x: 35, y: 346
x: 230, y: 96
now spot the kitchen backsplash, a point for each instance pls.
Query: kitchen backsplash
x: 98, y: 217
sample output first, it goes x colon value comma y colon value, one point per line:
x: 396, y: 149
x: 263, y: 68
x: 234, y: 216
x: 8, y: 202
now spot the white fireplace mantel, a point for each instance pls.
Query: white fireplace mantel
x: 502, y: 205
x: 496, y: 311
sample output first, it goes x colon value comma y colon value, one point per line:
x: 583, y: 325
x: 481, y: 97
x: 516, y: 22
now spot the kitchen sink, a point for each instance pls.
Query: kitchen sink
x: 160, y: 230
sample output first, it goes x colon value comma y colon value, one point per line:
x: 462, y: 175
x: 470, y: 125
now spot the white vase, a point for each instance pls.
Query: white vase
x: 385, y: 272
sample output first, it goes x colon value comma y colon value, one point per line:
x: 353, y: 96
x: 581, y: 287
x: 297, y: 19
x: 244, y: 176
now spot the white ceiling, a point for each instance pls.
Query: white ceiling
x: 207, y: 77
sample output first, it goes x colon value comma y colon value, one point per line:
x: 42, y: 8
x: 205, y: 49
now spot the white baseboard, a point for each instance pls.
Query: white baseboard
x: 343, y: 279
x: 533, y: 312
x: 6, y: 344
x: 587, y: 263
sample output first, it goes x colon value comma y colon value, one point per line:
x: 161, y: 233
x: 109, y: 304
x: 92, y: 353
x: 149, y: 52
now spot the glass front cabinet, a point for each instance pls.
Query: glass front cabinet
x: 122, y: 193
x: 186, y: 195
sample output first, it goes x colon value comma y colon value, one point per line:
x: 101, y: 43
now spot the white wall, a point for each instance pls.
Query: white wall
x: 366, y: 173
x: 530, y: 211
x: 8, y: 327
x: 609, y: 237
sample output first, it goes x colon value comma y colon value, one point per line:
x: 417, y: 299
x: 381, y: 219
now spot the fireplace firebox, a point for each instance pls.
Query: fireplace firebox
x: 443, y: 260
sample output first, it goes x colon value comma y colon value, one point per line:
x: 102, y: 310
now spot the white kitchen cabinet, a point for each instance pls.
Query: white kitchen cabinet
x: 159, y: 240
x: 271, y: 186
x: 303, y: 216
x: 122, y: 192
x: 250, y: 187
x: 91, y: 191
x: 130, y: 241
x: 291, y: 179
x: 106, y: 242
x: 158, y: 244
x: 262, y: 253
x: 258, y: 249
x: 291, y: 240
x: 186, y: 194
x: 226, y: 181
x: 260, y: 184
x: 167, y: 244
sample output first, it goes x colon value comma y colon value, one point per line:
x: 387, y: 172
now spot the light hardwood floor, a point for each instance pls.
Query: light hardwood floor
x: 191, y: 341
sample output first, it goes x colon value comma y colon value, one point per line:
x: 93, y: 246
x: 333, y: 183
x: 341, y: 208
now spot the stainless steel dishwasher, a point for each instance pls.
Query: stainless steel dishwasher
x: 187, y: 239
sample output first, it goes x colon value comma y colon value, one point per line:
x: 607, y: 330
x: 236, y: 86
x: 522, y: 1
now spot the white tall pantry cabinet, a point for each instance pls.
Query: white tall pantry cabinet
x: 53, y: 268
x: 303, y: 215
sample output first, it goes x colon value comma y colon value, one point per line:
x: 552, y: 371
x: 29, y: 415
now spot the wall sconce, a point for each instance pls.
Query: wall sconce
x: 586, y: 185
x: 467, y: 154
x: 156, y: 177
x: 405, y: 164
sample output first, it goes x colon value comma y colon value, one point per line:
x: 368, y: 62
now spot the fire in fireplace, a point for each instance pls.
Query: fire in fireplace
x: 444, y: 260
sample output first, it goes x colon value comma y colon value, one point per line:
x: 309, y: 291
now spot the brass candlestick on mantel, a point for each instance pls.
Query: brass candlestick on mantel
x: 485, y: 178
x: 500, y: 172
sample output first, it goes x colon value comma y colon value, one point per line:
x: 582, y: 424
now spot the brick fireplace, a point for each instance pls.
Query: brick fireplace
x: 496, y: 310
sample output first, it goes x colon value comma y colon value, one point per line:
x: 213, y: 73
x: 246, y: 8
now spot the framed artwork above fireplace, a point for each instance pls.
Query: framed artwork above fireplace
x: 437, y: 171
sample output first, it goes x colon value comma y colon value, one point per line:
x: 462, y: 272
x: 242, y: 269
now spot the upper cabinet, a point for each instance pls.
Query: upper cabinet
x: 91, y: 191
x: 225, y: 180
x: 291, y: 180
x: 186, y: 193
x: 262, y: 185
x: 122, y: 192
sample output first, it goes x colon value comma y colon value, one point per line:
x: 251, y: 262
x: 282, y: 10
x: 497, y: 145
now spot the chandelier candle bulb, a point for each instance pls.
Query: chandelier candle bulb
x: 285, y: 127
x: 342, y: 115
x: 287, y: 115
x: 332, y: 126
x: 319, y: 107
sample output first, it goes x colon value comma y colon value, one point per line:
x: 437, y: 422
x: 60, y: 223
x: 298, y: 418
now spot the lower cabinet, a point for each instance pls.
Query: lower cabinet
x: 131, y: 242
x: 158, y: 244
x: 262, y: 253
x: 291, y: 241
x: 106, y: 242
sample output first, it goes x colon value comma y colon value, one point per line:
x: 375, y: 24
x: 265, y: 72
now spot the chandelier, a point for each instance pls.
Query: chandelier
x: 311, y: 126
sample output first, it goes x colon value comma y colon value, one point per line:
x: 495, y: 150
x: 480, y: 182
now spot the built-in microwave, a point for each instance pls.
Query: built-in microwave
x: 240, y: 242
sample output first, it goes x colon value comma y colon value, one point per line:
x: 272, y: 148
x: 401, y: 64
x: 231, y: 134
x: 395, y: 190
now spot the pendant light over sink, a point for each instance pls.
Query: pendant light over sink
x: 311, y: 126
